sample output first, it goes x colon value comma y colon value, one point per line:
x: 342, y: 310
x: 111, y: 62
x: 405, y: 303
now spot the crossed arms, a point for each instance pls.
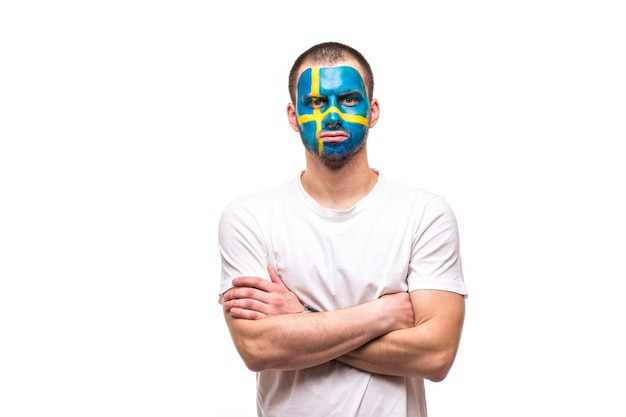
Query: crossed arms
x: 403, y: 334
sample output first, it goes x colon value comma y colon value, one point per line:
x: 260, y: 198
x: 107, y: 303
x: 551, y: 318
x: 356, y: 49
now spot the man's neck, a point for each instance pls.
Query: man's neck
x: 338, y: 189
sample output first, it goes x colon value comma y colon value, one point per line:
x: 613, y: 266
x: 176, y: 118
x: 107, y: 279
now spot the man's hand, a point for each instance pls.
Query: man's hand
x: 256, y: 298
x: 402, y: 309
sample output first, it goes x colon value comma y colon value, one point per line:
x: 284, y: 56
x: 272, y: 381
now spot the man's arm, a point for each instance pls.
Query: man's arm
x: 426, y: 350
x: 292, y: 341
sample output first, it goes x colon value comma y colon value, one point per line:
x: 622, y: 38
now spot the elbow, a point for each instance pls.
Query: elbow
x: 253, y: 357
x: 439, y: 366
x: 253, y: 364
x: 252, y: 347
x: 438, y: 375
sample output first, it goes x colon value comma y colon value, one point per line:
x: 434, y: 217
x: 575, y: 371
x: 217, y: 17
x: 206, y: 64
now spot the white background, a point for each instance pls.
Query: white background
x: 126, y: 127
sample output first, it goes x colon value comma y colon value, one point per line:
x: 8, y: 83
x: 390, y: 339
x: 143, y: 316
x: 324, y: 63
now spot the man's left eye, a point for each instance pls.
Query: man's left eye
x: 349, y: 101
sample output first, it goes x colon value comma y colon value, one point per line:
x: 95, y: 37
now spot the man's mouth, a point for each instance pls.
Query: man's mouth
x: 333, y: 137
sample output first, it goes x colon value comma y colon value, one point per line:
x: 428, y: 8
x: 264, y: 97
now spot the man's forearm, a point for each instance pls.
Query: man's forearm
x: 398, y: 353
x: 297, y: 341
x: 426, y: 350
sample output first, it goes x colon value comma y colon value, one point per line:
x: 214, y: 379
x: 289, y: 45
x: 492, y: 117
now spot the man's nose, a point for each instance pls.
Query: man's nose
x: 333, y: 120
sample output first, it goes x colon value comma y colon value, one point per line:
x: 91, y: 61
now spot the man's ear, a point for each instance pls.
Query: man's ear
x: 293, y: 117
x: 374, y: 112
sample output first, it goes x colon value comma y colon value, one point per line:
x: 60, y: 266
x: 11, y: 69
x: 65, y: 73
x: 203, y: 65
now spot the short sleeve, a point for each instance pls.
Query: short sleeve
x: 241, y: 244
x: 435, y: 255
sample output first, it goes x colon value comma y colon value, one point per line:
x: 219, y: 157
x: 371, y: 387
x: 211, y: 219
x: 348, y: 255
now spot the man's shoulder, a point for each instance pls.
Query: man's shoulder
x: 418, y: 200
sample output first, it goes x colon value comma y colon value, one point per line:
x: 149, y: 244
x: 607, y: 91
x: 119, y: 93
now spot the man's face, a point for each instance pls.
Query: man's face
x: 333, y: 112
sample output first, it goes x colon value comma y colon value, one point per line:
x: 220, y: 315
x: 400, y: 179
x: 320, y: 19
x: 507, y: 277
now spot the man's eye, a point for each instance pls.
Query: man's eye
x: 316, y: 103
x: 349, y: 101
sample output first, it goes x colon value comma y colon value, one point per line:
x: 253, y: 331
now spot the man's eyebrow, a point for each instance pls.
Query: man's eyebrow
x: 352, y: 93
x: 309, y: 96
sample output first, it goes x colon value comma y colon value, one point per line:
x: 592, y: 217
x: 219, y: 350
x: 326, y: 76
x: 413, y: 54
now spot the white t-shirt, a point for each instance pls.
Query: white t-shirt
x: 397, y: 238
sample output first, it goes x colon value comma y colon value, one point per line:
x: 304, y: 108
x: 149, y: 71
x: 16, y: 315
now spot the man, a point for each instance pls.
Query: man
x: 375, y: 264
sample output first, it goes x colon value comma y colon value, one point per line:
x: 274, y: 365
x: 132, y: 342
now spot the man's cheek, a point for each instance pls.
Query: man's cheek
x: 357, y: 131
x: 309, y: 133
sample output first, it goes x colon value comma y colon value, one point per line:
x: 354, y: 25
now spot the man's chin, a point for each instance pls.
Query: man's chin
x: 335, y: 164
x: 336, y: 161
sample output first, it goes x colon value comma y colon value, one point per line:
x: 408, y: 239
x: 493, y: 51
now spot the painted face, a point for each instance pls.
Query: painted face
x: 333, y: 111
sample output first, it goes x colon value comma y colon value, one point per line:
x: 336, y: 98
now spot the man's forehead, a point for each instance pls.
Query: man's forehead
x: 331, y: 77
x: 322, y: 65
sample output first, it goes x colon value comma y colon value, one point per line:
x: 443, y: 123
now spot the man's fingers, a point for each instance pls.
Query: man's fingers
x: 242, y: 313
x: 245, y: 304
x: 246, y: 293
x: 253, y: 282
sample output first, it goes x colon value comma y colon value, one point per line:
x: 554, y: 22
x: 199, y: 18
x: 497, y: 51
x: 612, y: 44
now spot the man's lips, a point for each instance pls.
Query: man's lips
x: 334, y: 136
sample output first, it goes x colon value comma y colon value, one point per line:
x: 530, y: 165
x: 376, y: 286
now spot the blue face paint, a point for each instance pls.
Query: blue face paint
x: 333, y: 111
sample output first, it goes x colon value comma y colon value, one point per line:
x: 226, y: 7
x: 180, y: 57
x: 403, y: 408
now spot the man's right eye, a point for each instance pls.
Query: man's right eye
x: 316, y: 103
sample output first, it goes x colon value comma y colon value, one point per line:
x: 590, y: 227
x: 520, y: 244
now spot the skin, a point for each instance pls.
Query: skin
x: 413, y: 334
x: 289, y: 340
x: 333, y: 113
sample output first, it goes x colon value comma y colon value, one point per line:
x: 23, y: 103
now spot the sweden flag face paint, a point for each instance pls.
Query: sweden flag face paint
x: 333, y: 111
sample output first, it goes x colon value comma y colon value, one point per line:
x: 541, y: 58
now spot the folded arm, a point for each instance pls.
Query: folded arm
x: 374, y: 336
x: 292, y: 341
x: 426, y: 350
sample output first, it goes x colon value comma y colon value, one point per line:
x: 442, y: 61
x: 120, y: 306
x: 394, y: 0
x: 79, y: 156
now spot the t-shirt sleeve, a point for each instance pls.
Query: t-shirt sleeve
x: 241, y: 244
x: 435, y: 256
